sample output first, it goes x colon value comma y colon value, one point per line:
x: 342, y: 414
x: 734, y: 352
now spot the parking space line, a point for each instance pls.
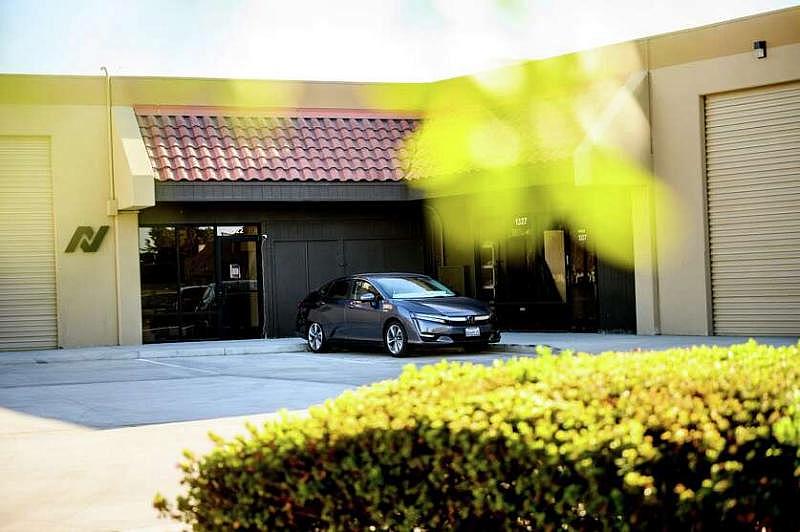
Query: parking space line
x: 177, y: 366
x: 353, y: 360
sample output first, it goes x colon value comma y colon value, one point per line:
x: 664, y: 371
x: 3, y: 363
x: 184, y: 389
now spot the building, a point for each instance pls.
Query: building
x: 153, y: 209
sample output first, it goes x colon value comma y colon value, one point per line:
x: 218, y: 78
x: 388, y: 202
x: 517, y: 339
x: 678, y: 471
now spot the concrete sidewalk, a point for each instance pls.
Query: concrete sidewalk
x: 65, y: 477
x: 511, y: 342
x: 598, y: 342
x: 171, y: 350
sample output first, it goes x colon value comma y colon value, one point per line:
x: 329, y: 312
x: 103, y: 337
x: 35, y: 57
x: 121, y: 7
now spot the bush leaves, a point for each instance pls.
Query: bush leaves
x: 705, y: 438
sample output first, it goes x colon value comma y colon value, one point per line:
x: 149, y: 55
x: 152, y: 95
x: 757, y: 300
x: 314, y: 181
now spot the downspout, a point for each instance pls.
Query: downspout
x: 113, y: 191
x: 651, y: 196
x: 111, y: 206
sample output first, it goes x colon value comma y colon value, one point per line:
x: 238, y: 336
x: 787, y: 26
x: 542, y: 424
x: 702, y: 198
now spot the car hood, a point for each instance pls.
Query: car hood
x: 447, y: 306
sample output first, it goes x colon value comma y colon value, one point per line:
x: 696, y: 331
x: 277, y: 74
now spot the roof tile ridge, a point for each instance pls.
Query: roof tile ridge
x: 277, y: 112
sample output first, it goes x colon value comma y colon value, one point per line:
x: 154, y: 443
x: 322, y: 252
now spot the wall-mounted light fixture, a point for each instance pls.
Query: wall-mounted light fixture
x: 759, y: 49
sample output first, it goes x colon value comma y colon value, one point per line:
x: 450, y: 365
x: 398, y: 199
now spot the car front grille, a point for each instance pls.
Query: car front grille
x: 468, y: 320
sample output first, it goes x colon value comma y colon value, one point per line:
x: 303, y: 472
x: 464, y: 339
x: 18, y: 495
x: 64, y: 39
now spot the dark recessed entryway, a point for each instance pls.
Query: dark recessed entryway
x: 205, y: 279
x: 200, y: 282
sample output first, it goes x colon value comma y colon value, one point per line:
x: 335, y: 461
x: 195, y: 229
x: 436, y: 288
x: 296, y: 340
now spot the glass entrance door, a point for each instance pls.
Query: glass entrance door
x: 540, y: 276
x: 239, y: 292
x: 200, y: 282
x: 582, y: 286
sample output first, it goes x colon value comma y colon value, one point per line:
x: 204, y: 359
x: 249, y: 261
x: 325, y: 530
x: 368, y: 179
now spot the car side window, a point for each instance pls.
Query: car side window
x: 339, y: 290
x: 363, y: 287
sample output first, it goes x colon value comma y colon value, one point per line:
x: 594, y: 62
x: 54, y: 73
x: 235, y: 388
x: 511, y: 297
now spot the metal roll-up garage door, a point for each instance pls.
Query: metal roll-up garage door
x: 753, y: 180
x: 27, y: 259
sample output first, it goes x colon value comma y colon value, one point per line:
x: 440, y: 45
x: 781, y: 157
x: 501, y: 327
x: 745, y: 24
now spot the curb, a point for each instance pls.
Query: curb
x: 182, y: 350
x: 132, y: 353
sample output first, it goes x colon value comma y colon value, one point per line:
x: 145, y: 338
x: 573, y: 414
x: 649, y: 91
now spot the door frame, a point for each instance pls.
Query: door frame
x: 499, y: 244
x: 218, y: 242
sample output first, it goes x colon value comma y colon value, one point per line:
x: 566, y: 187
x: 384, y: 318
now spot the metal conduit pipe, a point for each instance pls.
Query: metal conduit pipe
x: 111, y: 208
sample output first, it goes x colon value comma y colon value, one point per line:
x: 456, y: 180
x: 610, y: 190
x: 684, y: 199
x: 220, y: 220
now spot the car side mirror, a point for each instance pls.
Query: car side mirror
x: 367, y: 297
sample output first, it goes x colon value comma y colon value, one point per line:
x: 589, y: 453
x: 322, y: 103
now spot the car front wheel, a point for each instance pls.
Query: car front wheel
x: 395, y: 339
x: 316, y: 338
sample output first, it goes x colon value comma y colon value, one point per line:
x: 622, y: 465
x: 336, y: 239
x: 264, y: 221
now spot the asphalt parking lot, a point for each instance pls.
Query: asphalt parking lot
x: 106, y: 394
x: 159, y: 383
x: 93, y: 440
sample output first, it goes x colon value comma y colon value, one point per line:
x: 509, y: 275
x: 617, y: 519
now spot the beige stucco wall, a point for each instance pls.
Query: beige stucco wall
x: 660, y: 127
x: 677, y: 130
x: 133, y: 173
x: 86, y: 285
x: 99, y: 300
x: 778, y: 28
x: 98, y: 293
x: 241, y: 94
x: 669, y: 224
x: 625, y: 124
x: 129, y: 315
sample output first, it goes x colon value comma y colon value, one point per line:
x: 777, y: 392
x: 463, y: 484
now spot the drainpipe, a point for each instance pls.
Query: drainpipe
x: 113, y: 191
x: 111, y: 205
x: 651, y: 196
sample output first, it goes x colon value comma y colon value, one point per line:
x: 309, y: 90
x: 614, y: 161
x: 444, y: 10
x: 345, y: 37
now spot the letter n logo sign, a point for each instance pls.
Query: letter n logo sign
x: 87, y: 238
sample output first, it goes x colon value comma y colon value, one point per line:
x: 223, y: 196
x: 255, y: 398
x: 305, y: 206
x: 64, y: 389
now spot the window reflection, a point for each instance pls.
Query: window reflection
x: 183, y: 294
x: 528, y: 265
x: 197, y: 255
x: 239, y: 286
x: 537, y: 273
x: 159, y: 278
x: 556, y: 261
x: 197, y: 273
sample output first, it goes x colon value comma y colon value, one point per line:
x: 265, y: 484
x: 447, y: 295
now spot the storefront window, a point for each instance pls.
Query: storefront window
x: 555, y: 261
x: 197, y: 274
x: 535, y: 267
x: 159, y: 277
x: 196, y: 248
x: 528, y: 265
x: 184, y: 296
x: 538, y: 274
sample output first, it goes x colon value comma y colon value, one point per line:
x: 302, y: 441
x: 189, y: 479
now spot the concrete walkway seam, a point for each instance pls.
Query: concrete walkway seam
x: 83, y: 355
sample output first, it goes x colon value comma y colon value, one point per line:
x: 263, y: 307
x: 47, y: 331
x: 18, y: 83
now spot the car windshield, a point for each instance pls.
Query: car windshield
x: 412, y: 287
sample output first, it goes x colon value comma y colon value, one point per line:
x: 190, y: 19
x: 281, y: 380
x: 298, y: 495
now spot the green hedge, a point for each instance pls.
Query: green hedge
x: 704, y: 438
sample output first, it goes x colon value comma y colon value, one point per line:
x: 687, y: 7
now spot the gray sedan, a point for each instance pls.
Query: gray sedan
x: 398, y: 310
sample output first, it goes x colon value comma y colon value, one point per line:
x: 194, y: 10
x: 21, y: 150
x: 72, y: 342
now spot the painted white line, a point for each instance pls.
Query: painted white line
x: 176, y: 366
x: 328, y: 357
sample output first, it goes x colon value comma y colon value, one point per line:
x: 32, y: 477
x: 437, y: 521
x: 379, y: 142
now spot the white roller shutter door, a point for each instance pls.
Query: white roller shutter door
x: 27, y: 258
x: 753, y: 180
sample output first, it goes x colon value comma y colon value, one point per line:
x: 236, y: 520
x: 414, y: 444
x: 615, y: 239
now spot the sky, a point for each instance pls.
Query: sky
x: 335, y: 40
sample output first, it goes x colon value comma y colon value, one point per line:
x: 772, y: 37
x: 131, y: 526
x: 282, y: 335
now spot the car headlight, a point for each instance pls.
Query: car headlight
x: 431, y: 317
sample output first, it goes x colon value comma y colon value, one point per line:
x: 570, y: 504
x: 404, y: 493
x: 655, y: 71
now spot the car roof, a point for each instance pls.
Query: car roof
x: 389, y: 274
x: 374, y: 276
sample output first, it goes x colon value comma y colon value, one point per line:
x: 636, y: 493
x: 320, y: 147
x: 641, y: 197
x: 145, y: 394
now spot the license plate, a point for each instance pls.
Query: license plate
x: 472, y: 331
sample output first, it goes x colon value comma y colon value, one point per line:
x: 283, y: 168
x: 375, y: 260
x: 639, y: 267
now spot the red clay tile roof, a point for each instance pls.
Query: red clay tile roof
x: 187, y: 144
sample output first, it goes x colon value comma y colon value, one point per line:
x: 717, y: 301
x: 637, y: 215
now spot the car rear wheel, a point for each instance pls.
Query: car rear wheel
x: 316, y: 338
x: 395, y: 339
